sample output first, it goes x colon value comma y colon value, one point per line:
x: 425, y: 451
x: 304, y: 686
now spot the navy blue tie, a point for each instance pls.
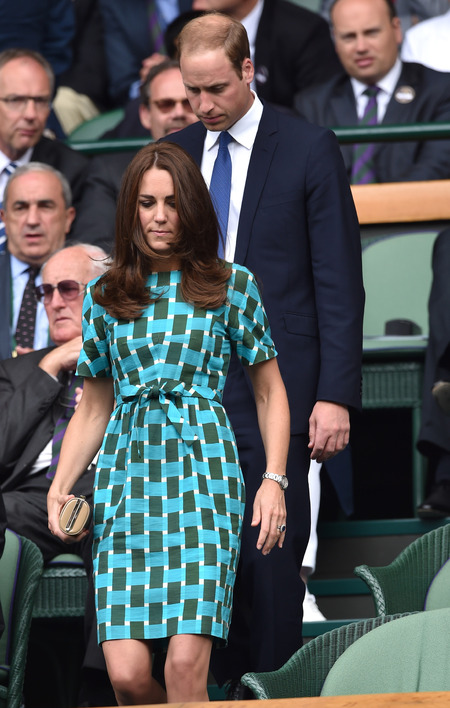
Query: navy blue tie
x: 220, y: 187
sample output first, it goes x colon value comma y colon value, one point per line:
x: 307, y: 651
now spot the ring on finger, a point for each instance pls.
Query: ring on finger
x: 281, y: 528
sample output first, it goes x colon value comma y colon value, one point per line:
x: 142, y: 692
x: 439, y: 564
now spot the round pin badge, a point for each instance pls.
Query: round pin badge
x: 405, y: 94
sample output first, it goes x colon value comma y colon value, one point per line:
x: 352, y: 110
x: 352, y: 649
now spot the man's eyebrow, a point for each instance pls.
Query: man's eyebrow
x: 39, y: 202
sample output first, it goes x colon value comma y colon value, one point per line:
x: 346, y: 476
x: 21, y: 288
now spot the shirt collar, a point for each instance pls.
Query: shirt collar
x: 244, y: 130
x: 387, y: 84
x: 4, y: 160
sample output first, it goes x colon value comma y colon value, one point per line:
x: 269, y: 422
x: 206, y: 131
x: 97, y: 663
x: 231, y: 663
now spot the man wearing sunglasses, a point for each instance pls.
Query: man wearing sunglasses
x: 164, y: 109
x: 37, y: 213
x: 36, y: 401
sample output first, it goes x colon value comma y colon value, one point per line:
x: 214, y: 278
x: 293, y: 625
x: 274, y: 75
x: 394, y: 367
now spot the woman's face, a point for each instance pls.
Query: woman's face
x: 158, y: 215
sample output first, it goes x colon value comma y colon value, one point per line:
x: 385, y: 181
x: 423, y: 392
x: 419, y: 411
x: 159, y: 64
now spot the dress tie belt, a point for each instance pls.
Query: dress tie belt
x: 167, y: 403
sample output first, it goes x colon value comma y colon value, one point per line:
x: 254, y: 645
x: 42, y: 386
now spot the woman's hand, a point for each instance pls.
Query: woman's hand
x: 269, y: 510
x: 55, y: 503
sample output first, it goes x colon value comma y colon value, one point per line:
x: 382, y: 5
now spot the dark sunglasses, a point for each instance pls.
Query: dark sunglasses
x: 68, y: 289
x: 166, y: 105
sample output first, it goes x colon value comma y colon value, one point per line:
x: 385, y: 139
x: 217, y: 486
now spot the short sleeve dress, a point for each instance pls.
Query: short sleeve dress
x: 169, y: 495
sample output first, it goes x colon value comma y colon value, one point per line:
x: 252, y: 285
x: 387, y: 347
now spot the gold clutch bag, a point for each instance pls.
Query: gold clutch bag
x: 75, y: 516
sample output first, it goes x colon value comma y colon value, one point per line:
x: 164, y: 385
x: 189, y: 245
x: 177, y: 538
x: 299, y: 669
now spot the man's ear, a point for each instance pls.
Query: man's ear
x: 144, y: 117
x: 248, y: 71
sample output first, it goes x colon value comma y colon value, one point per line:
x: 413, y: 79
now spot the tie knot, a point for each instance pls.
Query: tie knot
x: 224, y: 139
x: 372, y: 91
x: 32, y: 273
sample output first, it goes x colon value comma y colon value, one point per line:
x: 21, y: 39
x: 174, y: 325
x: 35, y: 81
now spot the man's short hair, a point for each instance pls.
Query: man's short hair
x: 215, y: 30
x: 390, y: 4
x: 145, y: 89
x: 18, y: 53
x: 40, y: 167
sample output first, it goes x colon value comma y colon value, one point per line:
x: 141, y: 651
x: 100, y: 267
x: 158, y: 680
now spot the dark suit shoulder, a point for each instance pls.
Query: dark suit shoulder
x: 59, y: 155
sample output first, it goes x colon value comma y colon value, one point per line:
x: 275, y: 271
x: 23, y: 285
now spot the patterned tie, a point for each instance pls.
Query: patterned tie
x: 154, y: 25
x: 220, y: 187
x: 363, y: 170
x: 68, y: 401
x: 27, y: 314
x: 8, y: 170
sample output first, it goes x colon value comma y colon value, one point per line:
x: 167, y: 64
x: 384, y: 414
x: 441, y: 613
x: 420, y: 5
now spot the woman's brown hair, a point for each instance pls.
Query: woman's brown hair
x: 123, y: 290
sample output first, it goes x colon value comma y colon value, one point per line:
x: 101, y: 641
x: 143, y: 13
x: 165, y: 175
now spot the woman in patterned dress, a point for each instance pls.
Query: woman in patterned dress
x: 158, y: 331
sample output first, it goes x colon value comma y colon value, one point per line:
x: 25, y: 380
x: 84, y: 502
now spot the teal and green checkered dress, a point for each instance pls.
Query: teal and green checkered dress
x: 169, y: 494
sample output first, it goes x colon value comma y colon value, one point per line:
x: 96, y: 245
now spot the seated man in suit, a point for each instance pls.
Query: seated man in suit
x: 36, y: 401
x: 379, y: 88
x: 434, y: 435
x: 26, y: 89
x: 164, y: 109
x: 38, y: 214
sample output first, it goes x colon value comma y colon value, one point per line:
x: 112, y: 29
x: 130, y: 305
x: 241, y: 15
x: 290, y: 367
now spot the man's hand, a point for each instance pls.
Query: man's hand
x: 329, y: 430
x: 62, y: 358
x: 269, y: 510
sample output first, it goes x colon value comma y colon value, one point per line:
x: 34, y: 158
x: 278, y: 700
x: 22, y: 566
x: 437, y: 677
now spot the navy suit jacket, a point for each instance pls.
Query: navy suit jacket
x: 293, y: 50
x: 5, y: 305
x: 298, y: 233
x: 333, y: 104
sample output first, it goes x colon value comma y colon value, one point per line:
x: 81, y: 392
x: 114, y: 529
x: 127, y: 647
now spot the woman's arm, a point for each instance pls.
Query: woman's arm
x: 269, y: 507
x: 81, y: 443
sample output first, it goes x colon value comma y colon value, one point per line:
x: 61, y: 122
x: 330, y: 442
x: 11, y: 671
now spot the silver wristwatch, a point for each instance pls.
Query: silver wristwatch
x: 280, y: 478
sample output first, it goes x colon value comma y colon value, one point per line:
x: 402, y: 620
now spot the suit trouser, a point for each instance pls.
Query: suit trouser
x: 266, y: 626
x: 434, y: 436
x: 26, y: 513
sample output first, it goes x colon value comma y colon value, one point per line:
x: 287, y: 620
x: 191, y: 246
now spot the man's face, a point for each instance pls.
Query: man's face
x: 64, y: 315
x: 168, y: 110
x: 218, y: 96
x: 36, y: 218
x: 22, y: 126
x: 366, y: 38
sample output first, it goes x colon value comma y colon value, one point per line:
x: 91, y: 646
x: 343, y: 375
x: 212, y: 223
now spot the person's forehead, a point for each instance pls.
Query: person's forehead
x: 34, y: 186
x: 348, y: 14
x: 68, y: 264
x: 168, y: 84
x: 23, y: 70
x: 211, y: 66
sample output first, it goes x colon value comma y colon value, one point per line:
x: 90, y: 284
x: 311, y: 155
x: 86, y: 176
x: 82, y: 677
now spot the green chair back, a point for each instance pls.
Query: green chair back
x: 93, y: 129
x: 409, y: 655
x: 397, y: 279
x: 24, y: 561
x: 438, y: 594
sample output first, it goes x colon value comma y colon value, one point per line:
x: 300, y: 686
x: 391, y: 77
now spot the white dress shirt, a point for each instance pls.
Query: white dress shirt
x: 386, y: 85
x: 428, y: 43
x: 243, y: 133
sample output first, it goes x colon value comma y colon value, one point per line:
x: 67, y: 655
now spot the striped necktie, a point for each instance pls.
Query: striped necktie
x: 363, y: 169
x: 154, y: 25
x: 26, y: 321
x: 68, y: 401
x: 8, y: 170
x: 220, y: 187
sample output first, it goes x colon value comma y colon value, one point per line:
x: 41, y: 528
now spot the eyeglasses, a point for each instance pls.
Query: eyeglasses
x: 166, y: 105
x: 68, y: 289
x: 18, y: 104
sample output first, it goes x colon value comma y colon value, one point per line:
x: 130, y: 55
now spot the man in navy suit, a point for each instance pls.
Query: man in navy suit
x: 367, y: 37
x: 292, y: 222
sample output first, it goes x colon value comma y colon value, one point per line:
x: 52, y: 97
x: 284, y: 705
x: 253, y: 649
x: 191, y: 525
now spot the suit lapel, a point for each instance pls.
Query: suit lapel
x: 403, y: 112
x: 258, y: 171
x: 343, y: 110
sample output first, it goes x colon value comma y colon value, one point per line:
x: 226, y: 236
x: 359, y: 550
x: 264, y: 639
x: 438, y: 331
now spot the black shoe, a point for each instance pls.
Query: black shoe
x: 236, y: 691
x: 441, y: 392
x: 437, y: 504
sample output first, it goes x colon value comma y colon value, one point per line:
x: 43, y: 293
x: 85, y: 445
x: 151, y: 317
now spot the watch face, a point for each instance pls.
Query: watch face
x: 283, y: 482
